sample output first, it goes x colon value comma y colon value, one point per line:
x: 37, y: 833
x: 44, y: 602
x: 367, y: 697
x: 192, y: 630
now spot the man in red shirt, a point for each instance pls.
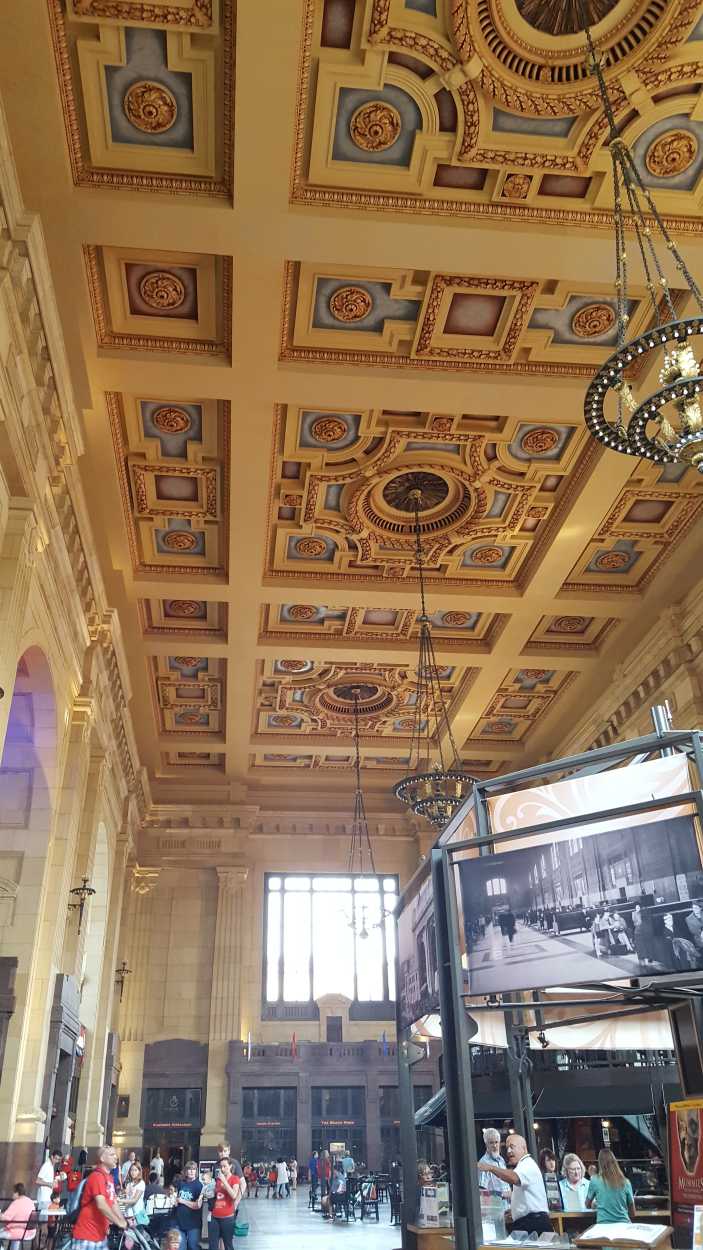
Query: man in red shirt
x: 98, y: 1208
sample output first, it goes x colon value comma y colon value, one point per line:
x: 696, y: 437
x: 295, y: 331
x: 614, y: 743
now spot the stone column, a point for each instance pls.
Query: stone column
x: 224, y: 999
x: 90, y: 1131
x: 22, y: 1115
x: 17, y: 553
x: 135, y: 945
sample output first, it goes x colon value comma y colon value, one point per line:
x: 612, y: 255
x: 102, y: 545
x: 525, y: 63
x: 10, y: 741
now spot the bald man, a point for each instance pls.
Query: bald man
x: 528, y: 1202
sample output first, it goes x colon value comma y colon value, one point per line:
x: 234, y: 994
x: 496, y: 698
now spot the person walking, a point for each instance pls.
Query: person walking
x: 487, y: 1181
x: 574, y: 1183
x: 98, y: 1205
x: 313, y: 1176
x: 324, y: 1172
x: 293, y: 1170
x: 528, y: 1202
x: 282, y: 1178
x: 157, y: 1165
x: 189, y: 1207
x: 610, y: 1192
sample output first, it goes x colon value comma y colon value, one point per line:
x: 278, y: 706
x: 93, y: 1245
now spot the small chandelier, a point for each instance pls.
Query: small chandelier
x: 361, y: 858
x: 81, y: 893
x: 665, y: 426
x: 437, y: 790
x: 121, y: 975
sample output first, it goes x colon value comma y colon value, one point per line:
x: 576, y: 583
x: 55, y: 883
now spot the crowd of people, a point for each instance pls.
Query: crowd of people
x: 533, y: 1189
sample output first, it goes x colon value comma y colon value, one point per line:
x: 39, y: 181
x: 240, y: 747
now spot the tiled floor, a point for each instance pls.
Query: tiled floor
x: 289, y: 1225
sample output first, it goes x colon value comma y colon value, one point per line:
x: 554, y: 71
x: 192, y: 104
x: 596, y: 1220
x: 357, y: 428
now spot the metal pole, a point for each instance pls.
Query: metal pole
x: 456, y: 1036
x: 661, y: 719
x: 408, y: 1054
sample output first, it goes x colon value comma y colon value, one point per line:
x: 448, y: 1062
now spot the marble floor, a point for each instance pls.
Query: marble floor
x: 289, y: 1225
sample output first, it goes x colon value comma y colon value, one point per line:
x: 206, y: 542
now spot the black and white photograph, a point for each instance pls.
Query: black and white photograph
x: 626, y: 902
x: 418, y: 989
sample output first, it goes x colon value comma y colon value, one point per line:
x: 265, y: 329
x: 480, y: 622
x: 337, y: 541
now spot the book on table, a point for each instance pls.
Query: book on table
x: 625, y: 1233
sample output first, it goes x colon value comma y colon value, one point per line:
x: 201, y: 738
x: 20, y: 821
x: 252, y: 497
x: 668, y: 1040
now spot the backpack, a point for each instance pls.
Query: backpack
x: 76, y: 1203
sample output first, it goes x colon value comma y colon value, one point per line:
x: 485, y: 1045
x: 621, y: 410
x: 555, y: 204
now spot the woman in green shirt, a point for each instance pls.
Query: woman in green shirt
x: 611, y: 1192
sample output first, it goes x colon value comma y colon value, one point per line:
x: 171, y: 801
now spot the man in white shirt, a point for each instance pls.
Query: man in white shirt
x: 124, y: 1170
x: 45, y: 1184
x: 528, y: 1202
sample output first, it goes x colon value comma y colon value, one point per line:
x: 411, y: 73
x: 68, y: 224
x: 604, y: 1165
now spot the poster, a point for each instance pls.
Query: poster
x: 578, y: 909
x: 685, y: 1165
x: 418, y: 979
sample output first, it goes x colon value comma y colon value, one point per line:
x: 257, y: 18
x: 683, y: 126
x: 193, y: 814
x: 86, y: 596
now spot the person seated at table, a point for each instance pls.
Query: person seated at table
x: 336, y: 1199
x: 610, y: 1192
x: 573, y: 1185
x: 16, y: 1217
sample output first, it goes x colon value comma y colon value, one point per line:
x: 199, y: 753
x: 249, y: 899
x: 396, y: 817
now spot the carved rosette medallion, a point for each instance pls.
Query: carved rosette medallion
x: 611, y: 561
x: 375, y: 126
x: 292, y: 666
x: 150, y: 107
x: 162, y: 290
x: 350, y: 303
x: 310, y: 547
x: 534, y: 674
x: 184, y: 607
x: 190, y: 718
x: 172, y: 420
x: 593, y: 320
x: 498, y: 727
x: 487, y: 555
x: 516, y: 186
x: 187, y: 661
x: 568, y: 624
x: 672, y: 153
x: 284, y: 721
x: 302, y: 611
x: 179, y: 540
x: 539, y: 442
x: 329, y: 429
x: 455, y: 618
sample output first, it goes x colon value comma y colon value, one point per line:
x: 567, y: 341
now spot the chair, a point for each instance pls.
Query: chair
x: 382, y: 1183
x: 29, y: 1232
x: 312, y: 1198
x: 369, y: 1199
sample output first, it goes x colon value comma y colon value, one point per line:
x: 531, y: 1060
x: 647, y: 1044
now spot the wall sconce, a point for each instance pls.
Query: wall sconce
x: 82, y: 893
x: 121, y: 974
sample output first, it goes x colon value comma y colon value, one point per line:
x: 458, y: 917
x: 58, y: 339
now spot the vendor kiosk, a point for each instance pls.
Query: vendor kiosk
x: 602, y: 849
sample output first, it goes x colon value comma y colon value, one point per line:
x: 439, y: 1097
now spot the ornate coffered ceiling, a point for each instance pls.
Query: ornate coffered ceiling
x: 408, y: 285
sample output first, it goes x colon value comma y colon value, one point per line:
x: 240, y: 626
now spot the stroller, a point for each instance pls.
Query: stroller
x: 133, y: 1237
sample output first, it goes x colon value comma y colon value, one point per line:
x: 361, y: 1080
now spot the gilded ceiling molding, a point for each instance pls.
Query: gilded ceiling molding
x: 198, y: 19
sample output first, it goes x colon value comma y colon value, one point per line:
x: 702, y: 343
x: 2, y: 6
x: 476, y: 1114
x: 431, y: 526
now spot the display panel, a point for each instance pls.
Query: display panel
x: 623, y: 902
x: 418, y: 982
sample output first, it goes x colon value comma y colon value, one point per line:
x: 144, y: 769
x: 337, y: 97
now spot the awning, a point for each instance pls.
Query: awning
x: 433, y: 1113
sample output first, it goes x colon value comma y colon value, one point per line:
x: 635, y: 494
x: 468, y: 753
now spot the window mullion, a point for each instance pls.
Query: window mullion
x: 281, y: 948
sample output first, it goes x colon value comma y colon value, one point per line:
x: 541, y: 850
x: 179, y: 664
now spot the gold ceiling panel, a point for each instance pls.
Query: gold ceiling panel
x: 640, y: 532
x: 496, y: 493
x: 523, y: 697
x: 457, y: 628
x: 189, y: 696
x: 189, y: 618
x: 150, y: 301
x: 570, y: 634
x: 176, y: 763
x: 173, y: 463
x: 306, y: 698
x: 147, y: 92
x: 346, y: 314
x: 468, y: 108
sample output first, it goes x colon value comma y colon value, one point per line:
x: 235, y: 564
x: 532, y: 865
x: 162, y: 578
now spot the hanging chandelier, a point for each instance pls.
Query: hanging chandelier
x: 665, y: 425
x: 434, y: 790
x: 361, y: 860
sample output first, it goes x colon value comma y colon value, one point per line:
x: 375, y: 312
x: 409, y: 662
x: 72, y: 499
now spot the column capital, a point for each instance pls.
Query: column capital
x: 232, y: 880
x: 143, y: 880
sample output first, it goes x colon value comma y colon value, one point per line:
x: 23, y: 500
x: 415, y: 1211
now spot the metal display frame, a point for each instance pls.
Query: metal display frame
x: 455, y: 1006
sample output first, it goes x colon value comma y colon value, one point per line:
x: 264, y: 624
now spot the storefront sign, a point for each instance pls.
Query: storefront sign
x: 338, y: 1123
x: 685, y: 1161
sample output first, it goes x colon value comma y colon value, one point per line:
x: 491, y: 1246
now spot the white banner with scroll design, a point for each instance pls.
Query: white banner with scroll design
x: 618, y: 787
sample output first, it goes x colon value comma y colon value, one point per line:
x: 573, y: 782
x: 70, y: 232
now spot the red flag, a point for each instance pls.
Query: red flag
x: 293, y: 1048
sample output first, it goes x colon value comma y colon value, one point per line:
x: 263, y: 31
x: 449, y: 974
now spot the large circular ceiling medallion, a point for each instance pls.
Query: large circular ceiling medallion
x: 329, y: 429
x: 563, y: 17
x: 387, y: 506
x: 190, y: 718
x: 172, y: 420
x: 568, y: 624
x: 179, y: 540
x: 672, y: 153
x: 310, y: 547
x: 593, y: 320
x: 162, y: 290
x: 406, y: 489
x: 350, y: 303
x: 292, y: 666
x: 455, y: 618
x: 187, y: 661
x: 338, y: 700
x: 610, y: 561
x: 150, y: 107
x: 532, y: 53
x: 375, y: 126
x: 487, y: 555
